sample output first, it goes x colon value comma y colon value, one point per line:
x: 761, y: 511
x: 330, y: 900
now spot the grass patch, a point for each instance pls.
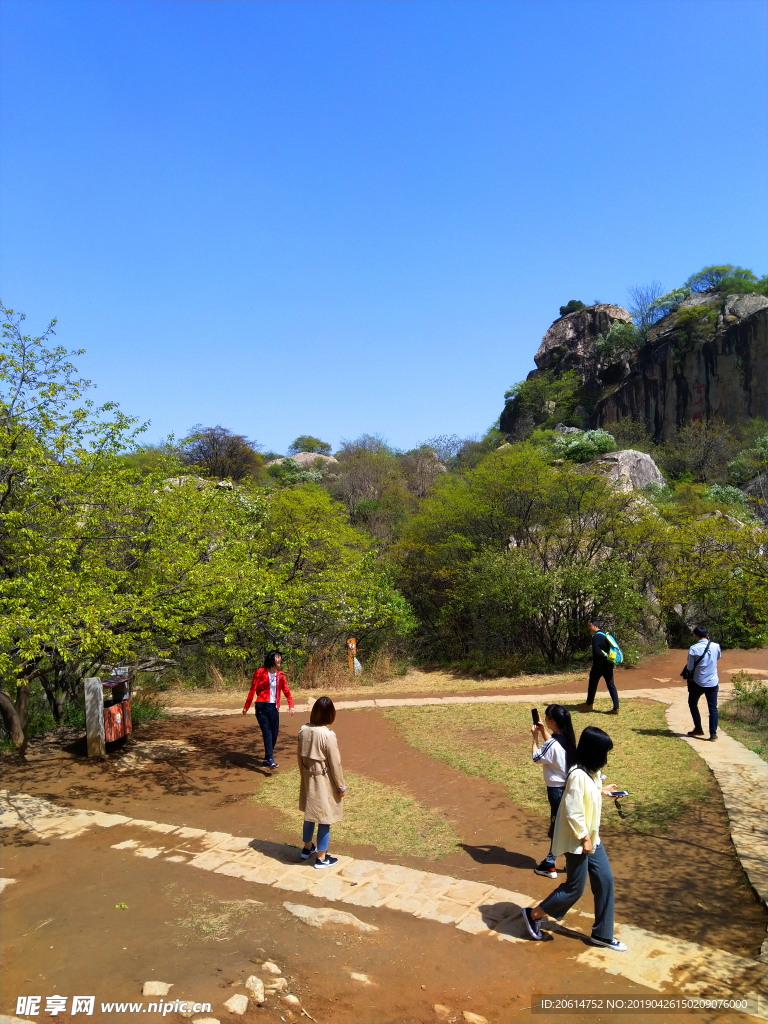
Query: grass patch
x: 413, y: 681
x: 374, y: 815
x: 662, y: 773
x: 753, y: 736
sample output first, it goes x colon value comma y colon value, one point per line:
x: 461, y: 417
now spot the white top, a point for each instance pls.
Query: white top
x: 273, y: 687
x: 551, y: 756
x: 579, y: 813
x: 706, y: 669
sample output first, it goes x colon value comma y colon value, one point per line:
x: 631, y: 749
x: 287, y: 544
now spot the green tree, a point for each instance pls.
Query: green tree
x: 572, y: 307
x: 699, y: 451
x: 544, y: 398
x: 307, y: 443
x: 516, y: 525
x: 101, y: 561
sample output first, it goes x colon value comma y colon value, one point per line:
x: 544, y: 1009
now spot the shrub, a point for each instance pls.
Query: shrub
x: 585, y: 446
x: 619, y: 341
x: 750, y: 701
x: 668, y: 303
x: 726, y: 495
x: 572, y: 307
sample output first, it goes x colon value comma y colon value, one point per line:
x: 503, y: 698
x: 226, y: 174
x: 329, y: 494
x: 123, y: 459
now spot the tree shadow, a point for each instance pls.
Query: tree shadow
x: 498, y: 855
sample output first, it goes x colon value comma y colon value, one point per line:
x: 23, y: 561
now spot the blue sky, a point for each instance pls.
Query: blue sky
x: 337, y: 217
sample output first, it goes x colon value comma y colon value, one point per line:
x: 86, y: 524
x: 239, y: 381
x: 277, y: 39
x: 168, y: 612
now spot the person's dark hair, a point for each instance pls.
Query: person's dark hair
x: 562, y: 718
x: 269, y: 660
x: 701, y: 631
x: 594, y: 622
x: 593, y: 749
x: 323, y: 712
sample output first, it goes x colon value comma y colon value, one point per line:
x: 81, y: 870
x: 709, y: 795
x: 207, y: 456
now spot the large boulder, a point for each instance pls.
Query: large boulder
x: 307, y: 460
x: 569, y: 344
x: 630, y: 470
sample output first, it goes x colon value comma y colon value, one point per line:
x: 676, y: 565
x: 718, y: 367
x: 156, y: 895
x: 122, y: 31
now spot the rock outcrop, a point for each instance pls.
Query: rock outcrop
x: 696, y: 370
x: 629, y: 470
x: 569, y: 344
x: 706, y: 360
x: 307, y: 460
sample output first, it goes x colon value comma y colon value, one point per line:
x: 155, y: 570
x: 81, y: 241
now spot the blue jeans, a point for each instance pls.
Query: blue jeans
x: 554, y: 795
x: 323, y: 835
x: 578, y: 866
x: 269, y: 719
x: 694, y: 693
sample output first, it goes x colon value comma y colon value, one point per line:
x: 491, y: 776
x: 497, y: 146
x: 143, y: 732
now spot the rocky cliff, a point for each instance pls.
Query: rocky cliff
x: 696, y: 367
x: 707, y: 359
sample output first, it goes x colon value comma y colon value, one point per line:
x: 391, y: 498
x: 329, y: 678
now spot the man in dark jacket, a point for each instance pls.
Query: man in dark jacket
x: 601, y: 666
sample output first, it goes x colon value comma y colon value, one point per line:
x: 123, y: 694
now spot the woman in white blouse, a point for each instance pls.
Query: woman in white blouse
x: 577, y: 835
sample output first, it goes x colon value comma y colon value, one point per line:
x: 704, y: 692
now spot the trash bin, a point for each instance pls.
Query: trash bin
x: 117, y: 709
x: 107, y: 711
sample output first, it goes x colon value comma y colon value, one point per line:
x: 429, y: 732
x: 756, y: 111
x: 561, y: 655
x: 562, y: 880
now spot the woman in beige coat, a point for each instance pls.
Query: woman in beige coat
x: 322, y: 781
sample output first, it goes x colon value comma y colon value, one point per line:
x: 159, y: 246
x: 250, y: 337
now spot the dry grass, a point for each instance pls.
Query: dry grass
x: 374, y: 815
x: 370, y: 685
x: 662, y: 774
x: 207, y: 917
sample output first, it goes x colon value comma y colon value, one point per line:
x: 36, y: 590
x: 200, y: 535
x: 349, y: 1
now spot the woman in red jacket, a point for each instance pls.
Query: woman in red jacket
x: 267, y: 684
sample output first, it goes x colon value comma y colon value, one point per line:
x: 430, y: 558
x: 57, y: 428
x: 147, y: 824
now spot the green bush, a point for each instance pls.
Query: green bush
x: 726, y: 495
x: 750, y: 701
x: 287, y: 473
x: 585, y: 446
x: 572, y: 307
x: 620, y: 340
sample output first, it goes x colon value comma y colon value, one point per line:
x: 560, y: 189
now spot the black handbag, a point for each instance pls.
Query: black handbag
x: 688, y: 673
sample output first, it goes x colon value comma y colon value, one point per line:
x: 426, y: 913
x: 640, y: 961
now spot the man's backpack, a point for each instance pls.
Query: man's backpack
x: 614, y: 653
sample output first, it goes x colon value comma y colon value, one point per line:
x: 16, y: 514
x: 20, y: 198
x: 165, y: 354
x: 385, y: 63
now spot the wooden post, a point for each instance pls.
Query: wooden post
x: 94, y: 717
x: 351, y: 652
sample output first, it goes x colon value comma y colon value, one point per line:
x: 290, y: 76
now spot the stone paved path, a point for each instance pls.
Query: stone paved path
x: 659, y: 962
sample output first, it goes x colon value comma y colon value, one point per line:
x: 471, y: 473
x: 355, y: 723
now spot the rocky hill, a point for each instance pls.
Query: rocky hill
x: 707, y: 359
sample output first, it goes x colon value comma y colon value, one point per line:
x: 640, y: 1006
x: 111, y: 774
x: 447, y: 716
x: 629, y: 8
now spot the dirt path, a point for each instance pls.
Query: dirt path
x: 212, y: 769
x: 657, y: 670
x: 471, y: 908
x: 209, y: 786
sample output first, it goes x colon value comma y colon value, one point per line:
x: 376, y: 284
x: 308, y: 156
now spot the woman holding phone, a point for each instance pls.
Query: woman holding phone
x: 577, y: 835
x: 554, y: 748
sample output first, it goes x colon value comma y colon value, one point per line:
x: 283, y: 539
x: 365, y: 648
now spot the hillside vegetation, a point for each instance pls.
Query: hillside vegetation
x: 192, y: 558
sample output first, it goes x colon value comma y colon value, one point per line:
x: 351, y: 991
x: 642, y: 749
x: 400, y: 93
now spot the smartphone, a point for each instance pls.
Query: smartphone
x: 535, y: 716
x: 619, y: 793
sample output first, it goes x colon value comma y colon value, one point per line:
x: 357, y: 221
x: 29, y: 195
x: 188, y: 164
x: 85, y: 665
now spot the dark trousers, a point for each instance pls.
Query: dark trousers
x: 554, y: 795
x: 269, y: 719
x: 578, y: 866
x: 694, y: 693
x: 606, y: 671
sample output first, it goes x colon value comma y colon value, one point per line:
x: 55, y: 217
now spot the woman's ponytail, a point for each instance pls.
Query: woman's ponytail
x: 562, y: 718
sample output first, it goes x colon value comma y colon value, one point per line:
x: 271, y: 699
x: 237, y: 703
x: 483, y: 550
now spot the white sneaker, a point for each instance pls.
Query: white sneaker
x: 614, y: 944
